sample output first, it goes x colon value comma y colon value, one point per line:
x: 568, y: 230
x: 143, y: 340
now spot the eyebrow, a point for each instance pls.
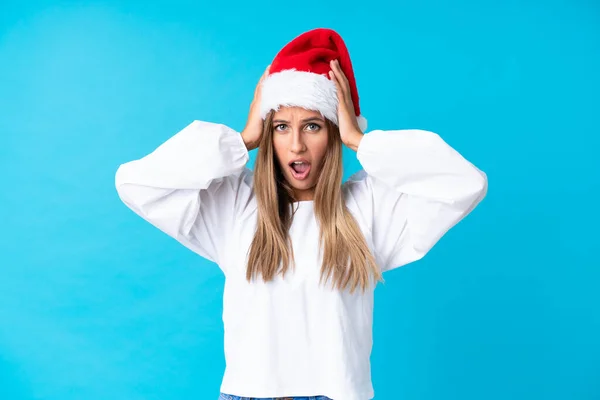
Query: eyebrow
x: 282, y: 121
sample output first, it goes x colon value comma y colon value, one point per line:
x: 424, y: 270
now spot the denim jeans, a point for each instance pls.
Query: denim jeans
x: 224, y: 396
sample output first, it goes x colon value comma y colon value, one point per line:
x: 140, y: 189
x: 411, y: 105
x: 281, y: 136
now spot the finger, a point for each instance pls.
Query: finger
x: 338, y: 86
x: 338, y: 79
x: 260, y: 81
x: 344, y: 78
x: 341, y: 79
x: 343, y: 97
x: 266, y: 73
x: 346, y: 85
x: 344, y: 101
x: 341, y: 75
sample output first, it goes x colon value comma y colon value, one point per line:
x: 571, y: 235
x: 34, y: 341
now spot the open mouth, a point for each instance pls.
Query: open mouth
x: 300, y: 169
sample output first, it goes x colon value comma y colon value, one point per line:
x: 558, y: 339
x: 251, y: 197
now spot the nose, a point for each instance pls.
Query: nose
x: 297, y: 145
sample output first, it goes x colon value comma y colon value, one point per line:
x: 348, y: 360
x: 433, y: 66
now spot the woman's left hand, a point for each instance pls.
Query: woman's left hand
x: 349, y: 130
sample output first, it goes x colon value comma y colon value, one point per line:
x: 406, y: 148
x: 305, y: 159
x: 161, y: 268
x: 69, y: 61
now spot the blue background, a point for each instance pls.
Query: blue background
x: 95, y: 303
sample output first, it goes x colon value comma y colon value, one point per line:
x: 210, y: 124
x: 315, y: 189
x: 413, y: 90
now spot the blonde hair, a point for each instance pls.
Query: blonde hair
x: 347, y: 259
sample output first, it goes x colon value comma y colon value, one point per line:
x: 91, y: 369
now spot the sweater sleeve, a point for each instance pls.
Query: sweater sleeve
x: 190, y: 186
x: 413, y: 188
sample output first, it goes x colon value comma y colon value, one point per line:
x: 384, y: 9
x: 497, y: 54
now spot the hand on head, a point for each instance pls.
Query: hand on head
x: 350, y: 132
x: 252, y: 132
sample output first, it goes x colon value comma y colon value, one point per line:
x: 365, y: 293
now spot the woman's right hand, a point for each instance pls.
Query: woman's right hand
x: 254, y: 125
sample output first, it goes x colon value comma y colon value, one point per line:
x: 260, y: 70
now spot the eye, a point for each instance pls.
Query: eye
x: 313, y: 127
x: 280, y: 127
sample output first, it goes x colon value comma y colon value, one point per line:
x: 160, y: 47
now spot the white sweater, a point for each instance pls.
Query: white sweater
x: 293, y: 336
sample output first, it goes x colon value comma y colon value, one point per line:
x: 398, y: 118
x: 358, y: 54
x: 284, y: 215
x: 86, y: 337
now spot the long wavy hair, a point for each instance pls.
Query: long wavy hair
x: 347, y: 260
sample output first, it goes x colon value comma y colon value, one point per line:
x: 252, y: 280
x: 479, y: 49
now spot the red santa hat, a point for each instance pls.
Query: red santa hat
x: 299, y: 76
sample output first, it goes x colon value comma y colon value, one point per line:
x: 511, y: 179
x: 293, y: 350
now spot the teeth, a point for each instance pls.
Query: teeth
x: 298, y: 162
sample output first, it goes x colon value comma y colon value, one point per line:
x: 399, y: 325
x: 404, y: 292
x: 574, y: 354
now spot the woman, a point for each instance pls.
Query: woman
x: 302, y: 252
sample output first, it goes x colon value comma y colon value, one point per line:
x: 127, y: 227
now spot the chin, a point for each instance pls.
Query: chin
x: 301, y: 185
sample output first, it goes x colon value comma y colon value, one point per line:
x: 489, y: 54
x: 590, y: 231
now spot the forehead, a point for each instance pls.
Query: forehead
x: 295, y: 113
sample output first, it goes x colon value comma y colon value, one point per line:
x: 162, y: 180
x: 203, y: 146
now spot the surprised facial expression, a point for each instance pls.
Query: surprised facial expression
x: 300, y: 142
